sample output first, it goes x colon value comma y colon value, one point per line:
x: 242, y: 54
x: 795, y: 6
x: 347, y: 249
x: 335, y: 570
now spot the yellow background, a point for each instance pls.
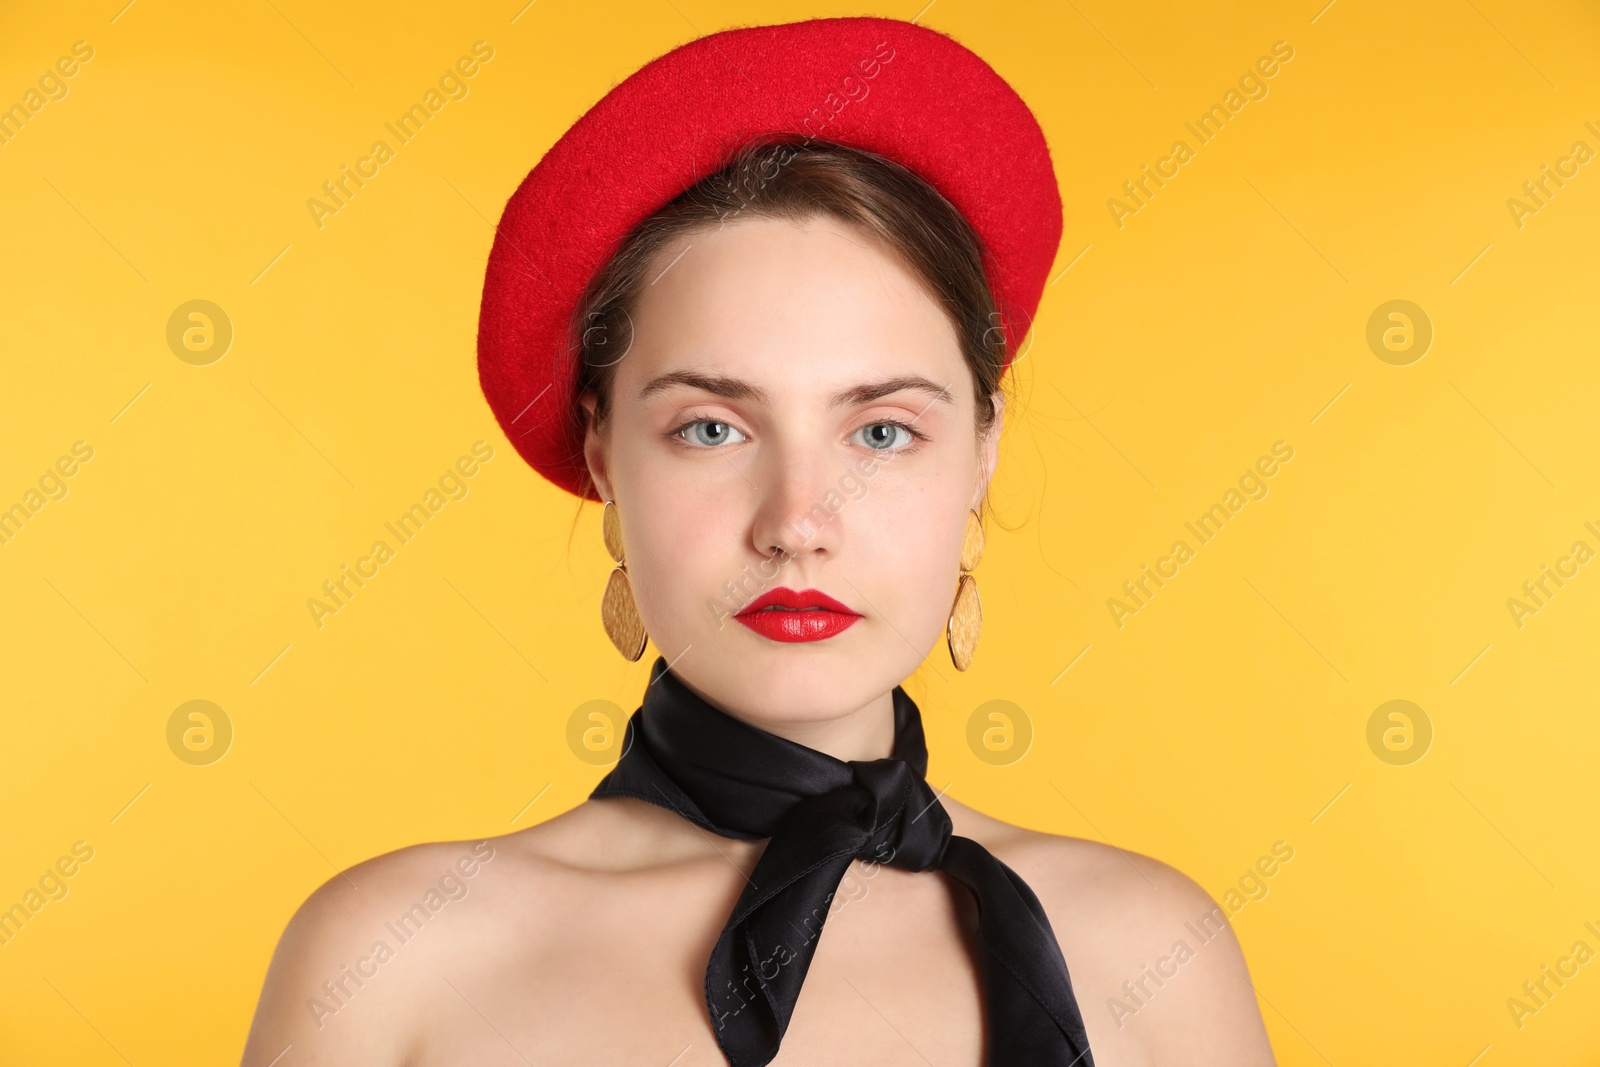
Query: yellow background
x: 1224, y: 316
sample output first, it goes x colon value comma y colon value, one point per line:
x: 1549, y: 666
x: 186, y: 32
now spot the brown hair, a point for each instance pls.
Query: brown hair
x: 800, y: 180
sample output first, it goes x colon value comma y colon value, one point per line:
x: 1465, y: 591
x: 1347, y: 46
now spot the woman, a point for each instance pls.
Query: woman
x: 787, y: 391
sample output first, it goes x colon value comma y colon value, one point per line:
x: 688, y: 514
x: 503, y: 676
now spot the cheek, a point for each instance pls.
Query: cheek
x: 680, y: 541
x: 904, y: 555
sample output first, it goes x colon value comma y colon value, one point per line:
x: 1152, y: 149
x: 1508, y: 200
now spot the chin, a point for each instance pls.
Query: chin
x: 767, y: 681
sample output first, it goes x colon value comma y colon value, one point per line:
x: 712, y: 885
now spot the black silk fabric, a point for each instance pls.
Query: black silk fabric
x: 684, y: 754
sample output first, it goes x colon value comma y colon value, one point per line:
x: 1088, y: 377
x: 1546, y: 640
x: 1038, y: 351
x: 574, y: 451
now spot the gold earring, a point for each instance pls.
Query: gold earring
x: 618, y: 611
x: 966, y: 613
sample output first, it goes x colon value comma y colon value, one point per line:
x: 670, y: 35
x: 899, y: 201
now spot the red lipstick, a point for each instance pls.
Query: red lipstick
x: 782, y: 614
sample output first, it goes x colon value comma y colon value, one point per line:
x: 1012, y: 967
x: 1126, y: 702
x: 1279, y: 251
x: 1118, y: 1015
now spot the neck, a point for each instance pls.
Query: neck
x: 866, y: 733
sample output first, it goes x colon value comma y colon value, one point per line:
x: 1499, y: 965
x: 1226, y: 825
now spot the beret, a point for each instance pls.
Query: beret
x: 887, y: 86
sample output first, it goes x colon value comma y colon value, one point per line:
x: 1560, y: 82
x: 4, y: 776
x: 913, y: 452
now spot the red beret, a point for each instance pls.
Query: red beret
x: 882, y: 85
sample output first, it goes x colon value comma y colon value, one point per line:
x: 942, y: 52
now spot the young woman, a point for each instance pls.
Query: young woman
x: 787, y: 392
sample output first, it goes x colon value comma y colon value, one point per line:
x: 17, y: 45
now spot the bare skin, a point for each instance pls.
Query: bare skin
x: 584, y: 940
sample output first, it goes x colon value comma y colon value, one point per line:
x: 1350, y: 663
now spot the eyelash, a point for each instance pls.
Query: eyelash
x: 917, y: 436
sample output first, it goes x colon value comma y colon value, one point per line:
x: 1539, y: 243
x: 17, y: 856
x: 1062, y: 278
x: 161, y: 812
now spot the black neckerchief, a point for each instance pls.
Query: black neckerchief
x: 684, y: 754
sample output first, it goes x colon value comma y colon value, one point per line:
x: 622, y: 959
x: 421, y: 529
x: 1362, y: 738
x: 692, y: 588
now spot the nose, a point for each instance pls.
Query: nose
x: 797, y: 500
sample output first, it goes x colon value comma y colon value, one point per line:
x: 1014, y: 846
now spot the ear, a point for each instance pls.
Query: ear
x: 989, y: 449
x: 594, y: 448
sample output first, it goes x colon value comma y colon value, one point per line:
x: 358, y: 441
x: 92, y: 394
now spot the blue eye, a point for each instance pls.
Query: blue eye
x: 884, y: 436
x: 880, y: 436
x: 708, y: 433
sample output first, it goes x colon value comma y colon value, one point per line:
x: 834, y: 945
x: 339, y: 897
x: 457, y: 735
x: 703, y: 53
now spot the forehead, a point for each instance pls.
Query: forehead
x: 793, y: 305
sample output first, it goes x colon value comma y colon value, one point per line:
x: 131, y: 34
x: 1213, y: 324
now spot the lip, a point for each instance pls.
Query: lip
x: 782, y: 614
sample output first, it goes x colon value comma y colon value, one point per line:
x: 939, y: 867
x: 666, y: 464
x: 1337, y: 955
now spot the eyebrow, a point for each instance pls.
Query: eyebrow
x: 739, y: 389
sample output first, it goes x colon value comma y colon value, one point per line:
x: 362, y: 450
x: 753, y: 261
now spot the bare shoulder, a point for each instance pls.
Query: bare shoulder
x: 375, y: 943
x: 1153, y: 958
x: 362, y: 968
